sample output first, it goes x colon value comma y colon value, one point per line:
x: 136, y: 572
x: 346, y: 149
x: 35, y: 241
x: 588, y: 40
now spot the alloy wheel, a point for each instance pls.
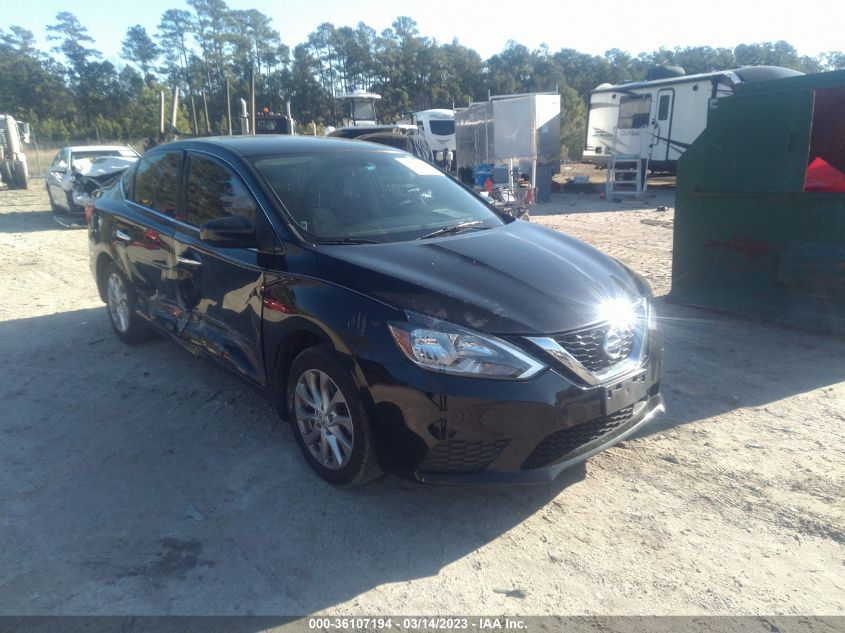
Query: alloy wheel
x: 118, y: 302
x: 323, y: 418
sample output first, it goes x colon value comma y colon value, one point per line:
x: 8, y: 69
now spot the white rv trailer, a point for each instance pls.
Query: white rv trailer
x: 437, y: 126
x: 659, y: 119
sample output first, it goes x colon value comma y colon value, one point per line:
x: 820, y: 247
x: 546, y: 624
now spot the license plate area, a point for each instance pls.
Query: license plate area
x: 625, y: 393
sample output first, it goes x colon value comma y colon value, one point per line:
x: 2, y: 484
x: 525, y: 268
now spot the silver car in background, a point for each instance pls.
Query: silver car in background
x: 76, y: 172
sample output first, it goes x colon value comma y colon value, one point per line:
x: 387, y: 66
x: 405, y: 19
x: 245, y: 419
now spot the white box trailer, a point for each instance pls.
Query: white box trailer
x: 661, y: 118
x: 523, y: 128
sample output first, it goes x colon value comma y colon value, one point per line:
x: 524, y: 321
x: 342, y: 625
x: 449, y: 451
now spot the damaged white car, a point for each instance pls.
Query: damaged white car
x: 76, y: 173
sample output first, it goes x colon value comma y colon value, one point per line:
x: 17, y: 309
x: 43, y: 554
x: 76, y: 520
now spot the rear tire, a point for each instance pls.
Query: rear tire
x: 20, y: 175
x: 121, y: 302
x: 329, y: 420
x: 6, y: 173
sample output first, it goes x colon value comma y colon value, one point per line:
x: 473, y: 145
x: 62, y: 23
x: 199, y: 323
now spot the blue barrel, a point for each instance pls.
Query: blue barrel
x: 482, y: 173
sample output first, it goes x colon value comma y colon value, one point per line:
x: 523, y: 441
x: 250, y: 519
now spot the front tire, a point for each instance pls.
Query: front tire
x: 328, y: 419
x: 53, y: 206
x: 72, y: 207
x: 121, y: 302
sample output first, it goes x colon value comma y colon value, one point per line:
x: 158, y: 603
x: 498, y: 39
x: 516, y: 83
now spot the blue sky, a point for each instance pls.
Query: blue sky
x: 812, y: 26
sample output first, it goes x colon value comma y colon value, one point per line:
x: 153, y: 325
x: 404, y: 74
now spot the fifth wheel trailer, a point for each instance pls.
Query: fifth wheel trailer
x: 659, y: 118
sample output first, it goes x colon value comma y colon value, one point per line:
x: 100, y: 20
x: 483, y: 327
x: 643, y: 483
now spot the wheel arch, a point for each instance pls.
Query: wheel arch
x: 103, y: 261
x: 300, y: 336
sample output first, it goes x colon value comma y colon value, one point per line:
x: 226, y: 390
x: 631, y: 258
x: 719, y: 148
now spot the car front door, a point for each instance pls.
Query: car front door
x: 219, y: 287
x: 55, y: 174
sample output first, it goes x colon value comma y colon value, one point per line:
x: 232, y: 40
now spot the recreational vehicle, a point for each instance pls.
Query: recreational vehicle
x: 437, y: 126
x: 657, y: 119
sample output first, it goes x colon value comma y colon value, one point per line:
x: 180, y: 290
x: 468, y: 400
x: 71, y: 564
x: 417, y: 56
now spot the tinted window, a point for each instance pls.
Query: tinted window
x: 156, y: 182
x: 442, y: 127
x: 383, y: 196
x: 214, y: 192
x: 265, y: 125
x: 128, y: 181
x: 663, y: 108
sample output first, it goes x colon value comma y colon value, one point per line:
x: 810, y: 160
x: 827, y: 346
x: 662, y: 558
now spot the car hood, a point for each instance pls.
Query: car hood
x: 98, y: 166
x: 516, y: 279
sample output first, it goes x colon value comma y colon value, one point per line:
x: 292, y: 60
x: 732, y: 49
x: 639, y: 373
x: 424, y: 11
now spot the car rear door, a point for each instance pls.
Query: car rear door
x: 220, y: 287
x: 142, y: 236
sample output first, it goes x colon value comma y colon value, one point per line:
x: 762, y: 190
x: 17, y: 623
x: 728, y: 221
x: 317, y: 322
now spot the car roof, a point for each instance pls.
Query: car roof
x: 264, y: 145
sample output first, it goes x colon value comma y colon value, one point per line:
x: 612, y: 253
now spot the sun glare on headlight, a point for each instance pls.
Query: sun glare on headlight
x: 619, y: 313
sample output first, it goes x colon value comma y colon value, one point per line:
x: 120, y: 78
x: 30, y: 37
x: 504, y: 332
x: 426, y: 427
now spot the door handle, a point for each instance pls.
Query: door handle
x: 189, y: 261
x: 123, y: 236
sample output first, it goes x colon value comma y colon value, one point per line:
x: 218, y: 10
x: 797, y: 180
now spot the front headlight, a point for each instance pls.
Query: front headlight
x: 444, y: 347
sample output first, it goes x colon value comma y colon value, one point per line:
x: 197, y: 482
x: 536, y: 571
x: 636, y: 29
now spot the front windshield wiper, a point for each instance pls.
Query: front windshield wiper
x: 348, y: 240
x: 450, y: 229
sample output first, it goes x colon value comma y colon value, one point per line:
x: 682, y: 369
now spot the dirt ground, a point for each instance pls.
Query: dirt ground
x: 147, y: 481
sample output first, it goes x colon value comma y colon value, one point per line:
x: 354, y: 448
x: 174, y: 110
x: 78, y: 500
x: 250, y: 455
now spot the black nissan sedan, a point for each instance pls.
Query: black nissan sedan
x: 395, y: 319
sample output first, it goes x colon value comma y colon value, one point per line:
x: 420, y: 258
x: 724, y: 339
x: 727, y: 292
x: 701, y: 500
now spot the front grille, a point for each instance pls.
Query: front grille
x: 561, y: 443
x: 460, y: 456
x: 587, y: 346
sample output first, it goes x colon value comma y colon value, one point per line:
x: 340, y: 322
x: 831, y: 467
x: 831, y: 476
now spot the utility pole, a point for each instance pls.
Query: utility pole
x: 228, y: 107
x: 161, y: 114
x: 252, y: 101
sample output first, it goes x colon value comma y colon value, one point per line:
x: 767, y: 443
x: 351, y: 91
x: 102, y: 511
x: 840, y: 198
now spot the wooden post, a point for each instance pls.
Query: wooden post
x: 252, y: 101
x: 228, y: 108
x: 161, y: 113
x: 205, y: 109
x: 194, y: 115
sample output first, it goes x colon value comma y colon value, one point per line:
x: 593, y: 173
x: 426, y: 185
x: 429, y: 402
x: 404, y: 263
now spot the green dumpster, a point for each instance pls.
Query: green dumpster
x: 757, y: 233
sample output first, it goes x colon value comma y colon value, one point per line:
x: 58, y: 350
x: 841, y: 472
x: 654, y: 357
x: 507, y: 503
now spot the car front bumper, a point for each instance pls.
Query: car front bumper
x: 550, y: 472
x: 437, y: 428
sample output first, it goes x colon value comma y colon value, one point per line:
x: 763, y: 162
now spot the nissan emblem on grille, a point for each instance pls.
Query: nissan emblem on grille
x: 599, y: 347
x: 615, y: 342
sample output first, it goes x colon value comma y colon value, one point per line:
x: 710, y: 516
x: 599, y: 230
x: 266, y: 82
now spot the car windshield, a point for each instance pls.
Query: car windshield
x: 371, y: 196
x: 442, y: 127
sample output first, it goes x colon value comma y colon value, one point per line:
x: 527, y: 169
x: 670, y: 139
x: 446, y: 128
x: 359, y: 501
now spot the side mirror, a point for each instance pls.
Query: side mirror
x: 25, y: 132
x: 231, y: 231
